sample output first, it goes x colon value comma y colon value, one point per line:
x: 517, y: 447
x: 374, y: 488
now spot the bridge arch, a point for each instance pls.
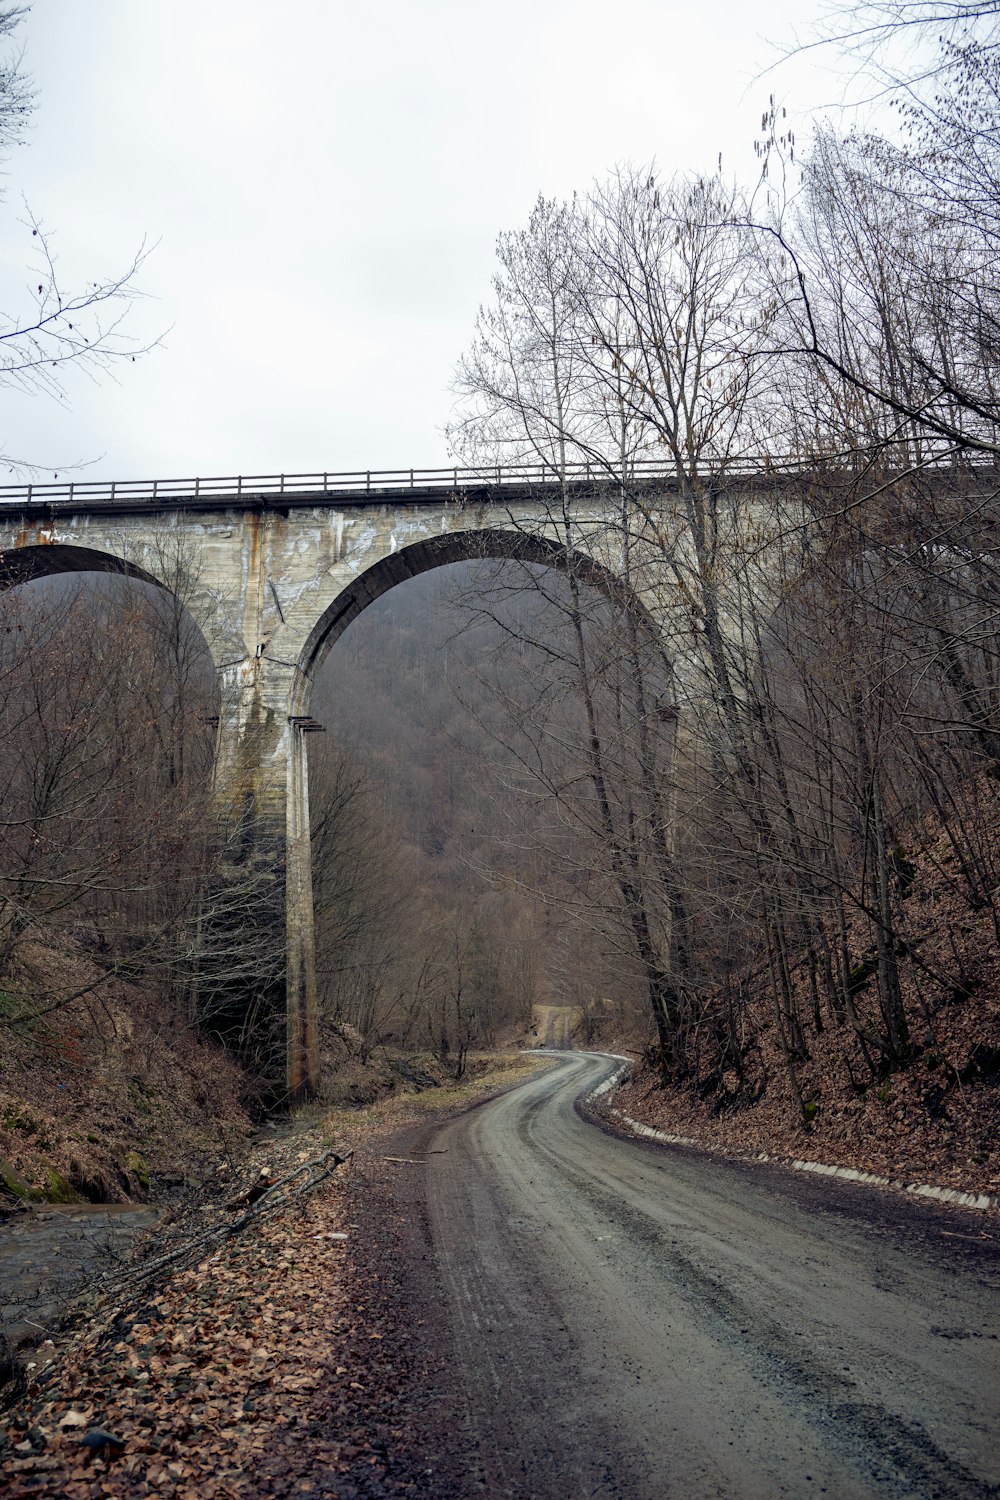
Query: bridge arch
x: 108, y: 712
x: 44, y: 556
x: 494, y: 543
x: 43, y: 559
x: 367, y: 584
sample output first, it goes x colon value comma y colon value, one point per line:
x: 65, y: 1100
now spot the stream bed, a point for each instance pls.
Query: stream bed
x: 48, y: 1253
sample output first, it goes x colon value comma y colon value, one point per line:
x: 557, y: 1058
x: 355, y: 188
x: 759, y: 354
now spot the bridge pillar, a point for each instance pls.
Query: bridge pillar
x: 301, y: 1000
x: 257, y: 974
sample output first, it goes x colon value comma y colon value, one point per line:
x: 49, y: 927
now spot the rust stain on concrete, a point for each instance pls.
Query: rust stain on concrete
x: 36, y: 534
x: 254, y: 528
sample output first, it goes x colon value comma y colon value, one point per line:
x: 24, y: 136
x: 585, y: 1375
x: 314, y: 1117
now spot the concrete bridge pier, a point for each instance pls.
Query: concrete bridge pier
x: 256, y: 984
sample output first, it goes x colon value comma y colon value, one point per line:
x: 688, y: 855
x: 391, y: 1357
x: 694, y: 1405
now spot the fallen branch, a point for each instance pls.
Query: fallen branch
x: 321, y: 1167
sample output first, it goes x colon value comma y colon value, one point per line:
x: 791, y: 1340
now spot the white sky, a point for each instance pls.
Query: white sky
x: 326, y: 182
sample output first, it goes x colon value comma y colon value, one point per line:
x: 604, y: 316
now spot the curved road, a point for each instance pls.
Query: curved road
x: 634, y: 1321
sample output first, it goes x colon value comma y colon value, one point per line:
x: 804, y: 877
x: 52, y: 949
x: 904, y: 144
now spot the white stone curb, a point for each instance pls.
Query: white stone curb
x: 850, y: 1174
x: 654, y: 1135
x: 610, y: 1083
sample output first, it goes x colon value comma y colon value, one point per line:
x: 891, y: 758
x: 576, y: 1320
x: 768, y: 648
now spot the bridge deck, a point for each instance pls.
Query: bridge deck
x: 484, y: 485
x: 461, y: 486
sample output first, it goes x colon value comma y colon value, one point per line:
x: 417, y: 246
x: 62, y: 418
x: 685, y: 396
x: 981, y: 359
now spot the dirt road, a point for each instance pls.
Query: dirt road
x: 638, y: 1322
x: 554, y: 1024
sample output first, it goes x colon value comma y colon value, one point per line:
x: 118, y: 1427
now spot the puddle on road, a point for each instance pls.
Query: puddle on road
x: 49, y: 1253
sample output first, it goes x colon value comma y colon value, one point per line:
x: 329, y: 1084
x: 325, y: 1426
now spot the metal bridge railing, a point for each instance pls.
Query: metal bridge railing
x: 354, y: 486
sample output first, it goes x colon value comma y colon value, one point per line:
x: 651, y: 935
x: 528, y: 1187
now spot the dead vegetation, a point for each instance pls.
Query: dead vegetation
x: 936, y: 1120
x: 110, y: 1097
x: 233, y: 1356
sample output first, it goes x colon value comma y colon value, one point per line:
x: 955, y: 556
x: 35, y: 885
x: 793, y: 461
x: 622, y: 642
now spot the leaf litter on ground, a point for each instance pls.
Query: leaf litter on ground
x: 231, y: 1363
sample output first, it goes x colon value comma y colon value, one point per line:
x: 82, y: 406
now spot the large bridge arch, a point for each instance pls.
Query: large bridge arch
x: 474, y: 543
x: 358, y: 590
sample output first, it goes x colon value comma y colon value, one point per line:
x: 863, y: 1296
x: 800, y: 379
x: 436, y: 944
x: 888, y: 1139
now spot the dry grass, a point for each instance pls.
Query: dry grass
x: 486, y: 1073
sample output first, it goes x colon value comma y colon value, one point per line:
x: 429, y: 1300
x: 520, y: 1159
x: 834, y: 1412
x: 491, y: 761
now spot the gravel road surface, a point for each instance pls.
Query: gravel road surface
x: 638, y: 1321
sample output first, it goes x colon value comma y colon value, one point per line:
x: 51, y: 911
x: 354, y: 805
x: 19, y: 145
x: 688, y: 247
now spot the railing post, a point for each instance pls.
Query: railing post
x: 368, y: 482
x: 113, y: 483
x: 239, y: 486
x: 411, y: 479
x: 155, y: 483
x: 29, y: 494
x: 281, y: 489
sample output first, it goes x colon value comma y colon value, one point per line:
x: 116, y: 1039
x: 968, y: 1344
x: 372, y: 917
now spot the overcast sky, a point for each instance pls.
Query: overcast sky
x: 324, y: 183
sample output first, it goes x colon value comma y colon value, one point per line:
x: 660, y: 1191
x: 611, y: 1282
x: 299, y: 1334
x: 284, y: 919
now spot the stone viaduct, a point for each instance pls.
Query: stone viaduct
x: 273, y: 571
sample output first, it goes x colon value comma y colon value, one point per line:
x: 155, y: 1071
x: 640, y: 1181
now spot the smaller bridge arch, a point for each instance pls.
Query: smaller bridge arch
x: 113, y: 688
x: 39, y: 559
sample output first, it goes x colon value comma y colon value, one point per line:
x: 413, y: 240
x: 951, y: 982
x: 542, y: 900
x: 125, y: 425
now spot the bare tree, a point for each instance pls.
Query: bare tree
x: 888, y: 268
x: 57, y: 326
x: 830, y: 645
